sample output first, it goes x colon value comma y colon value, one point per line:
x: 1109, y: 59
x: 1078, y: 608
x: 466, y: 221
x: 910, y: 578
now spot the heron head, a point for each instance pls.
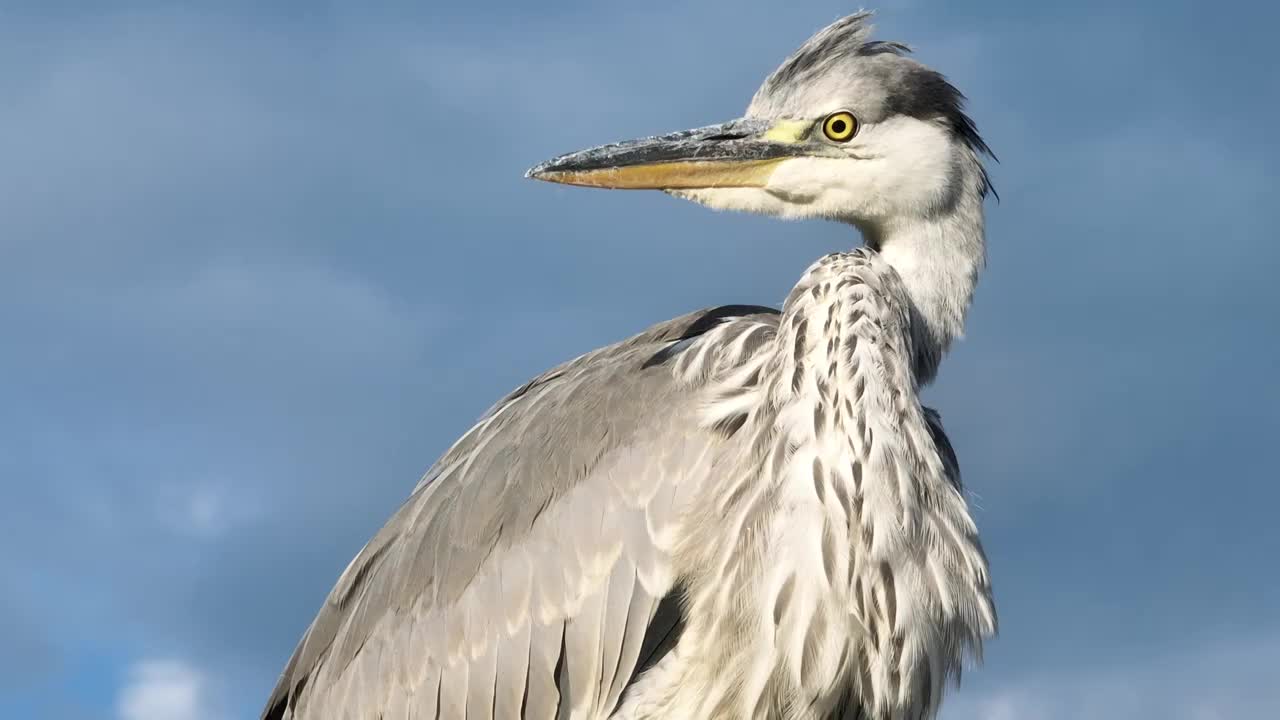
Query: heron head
x: 847, y: 128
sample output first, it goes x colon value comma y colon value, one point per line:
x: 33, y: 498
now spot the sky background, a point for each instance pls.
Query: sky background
x: 260, y: 265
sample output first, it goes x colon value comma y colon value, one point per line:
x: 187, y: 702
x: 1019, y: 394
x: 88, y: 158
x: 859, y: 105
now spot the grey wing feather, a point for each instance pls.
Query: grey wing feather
x: 524, y: 572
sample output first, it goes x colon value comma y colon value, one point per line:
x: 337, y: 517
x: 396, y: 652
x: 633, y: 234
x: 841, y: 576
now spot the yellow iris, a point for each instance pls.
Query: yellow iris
x: 840, y: 126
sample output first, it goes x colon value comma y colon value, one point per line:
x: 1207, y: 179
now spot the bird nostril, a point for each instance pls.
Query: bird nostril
x: 725, y: 136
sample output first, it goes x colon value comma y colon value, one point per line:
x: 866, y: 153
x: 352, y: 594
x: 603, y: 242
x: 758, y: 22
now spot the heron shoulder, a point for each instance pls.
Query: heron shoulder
x: 521, y: 465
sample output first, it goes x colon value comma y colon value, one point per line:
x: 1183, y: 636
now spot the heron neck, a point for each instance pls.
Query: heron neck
x: 938, y: 259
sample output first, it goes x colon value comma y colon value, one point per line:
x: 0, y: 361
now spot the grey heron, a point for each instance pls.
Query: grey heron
x: 738, y: 513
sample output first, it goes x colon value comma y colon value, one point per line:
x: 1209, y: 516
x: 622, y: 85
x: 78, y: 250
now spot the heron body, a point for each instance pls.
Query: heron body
x: 739, y: 513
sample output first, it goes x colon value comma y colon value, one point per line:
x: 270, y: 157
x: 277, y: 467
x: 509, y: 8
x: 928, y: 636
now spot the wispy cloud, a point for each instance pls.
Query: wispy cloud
x: 1233, y: 679
x: 166, y: 689
x: 207, y: 510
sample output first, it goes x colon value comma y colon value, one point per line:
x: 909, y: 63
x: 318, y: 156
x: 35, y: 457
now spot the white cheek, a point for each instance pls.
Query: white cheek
x: 824, y: 187
x: 806, y: 180
x: 910, y: 164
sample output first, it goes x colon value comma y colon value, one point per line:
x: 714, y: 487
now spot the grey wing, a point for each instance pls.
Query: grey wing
x: 528, y: 575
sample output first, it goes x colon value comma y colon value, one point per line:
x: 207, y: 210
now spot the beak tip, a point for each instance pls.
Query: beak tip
x: 539, y: 171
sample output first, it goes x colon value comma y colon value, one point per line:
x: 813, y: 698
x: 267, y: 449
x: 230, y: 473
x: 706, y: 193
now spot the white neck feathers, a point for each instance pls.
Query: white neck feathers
x: 938, y: 258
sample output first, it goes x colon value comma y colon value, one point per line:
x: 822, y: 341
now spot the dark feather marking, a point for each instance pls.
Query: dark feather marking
x: 876, y: 610
x: 561, y: 671
x: 367, y: 564
x: 829, y: 553
x: 890, y: 595
x: 524, y: 697
x: 276, y: 711
x: 729, y: 425
x: 864, y: 670
x: 813, y: 643
x: 705, y: 323
x: 853, y: 562
x: 945, y: 449
x: 780, y: 457
x: 783, y: 600
x: 715, y: 316
x: 926, y: 689
x: 493, y: 707
x: 842, y: 494
x: 819, y: 480
x: 662, y: 634
x: 850, y: 347
x: 752, y: 342
x: 439, y: 693
x: 844, y: 710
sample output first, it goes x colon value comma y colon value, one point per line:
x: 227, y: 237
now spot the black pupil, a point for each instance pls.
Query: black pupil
x: 837, y: 126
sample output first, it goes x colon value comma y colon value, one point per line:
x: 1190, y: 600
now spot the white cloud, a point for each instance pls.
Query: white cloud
x: 1011, y: 705
x: 206, y: 510
x: 166, y: 689
x: 1227, y: 680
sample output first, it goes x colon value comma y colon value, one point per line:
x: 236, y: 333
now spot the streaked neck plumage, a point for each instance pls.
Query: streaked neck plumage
x: 938, y: 256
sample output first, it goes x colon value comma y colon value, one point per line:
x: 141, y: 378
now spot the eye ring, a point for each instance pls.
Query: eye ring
x: 840, y: 126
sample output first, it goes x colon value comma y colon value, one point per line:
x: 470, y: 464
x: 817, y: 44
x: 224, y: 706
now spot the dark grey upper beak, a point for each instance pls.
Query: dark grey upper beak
x: 736, y: 141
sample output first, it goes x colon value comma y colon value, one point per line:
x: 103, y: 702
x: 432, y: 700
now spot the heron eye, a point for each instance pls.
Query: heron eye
x: 840, y: 126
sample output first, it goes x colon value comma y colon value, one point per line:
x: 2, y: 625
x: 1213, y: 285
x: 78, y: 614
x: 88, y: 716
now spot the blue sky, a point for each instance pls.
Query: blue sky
x: 258, y: 267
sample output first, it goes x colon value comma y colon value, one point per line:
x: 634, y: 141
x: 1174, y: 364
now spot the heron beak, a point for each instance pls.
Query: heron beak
x: 739, y: 153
